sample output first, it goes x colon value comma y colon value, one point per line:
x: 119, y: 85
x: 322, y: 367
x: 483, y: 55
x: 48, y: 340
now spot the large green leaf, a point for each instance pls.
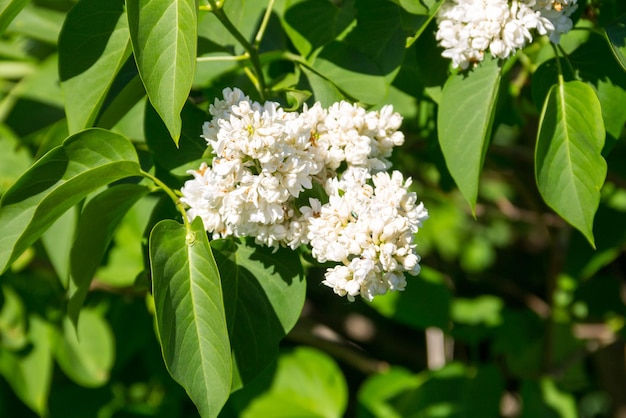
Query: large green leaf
x: 164, y: 38
x: 60, y: 179
x: 465, y: 119
x: 264, y: 293
x: 190, y: 313
x: 568, y: 165
x: 8, y: 10
x: 98, y: 221
x: 86, y: 354
x: 308, y: 383
x: 93, y: 45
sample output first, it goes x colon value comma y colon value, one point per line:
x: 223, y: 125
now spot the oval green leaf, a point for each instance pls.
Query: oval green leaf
x: 164, y: 38
x: 86, y: 354
x: 98, y: 221
x: 190, y: 313
x: 93, y: 45
x: 264, y: 292
x: 569, y: 167
x: 308, y: 383
x: 60, y: 179
x: 465, y: 119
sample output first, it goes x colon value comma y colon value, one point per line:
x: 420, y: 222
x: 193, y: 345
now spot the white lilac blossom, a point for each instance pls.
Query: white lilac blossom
x: 265, y: 158
x: 368, y: 227
x: 469, y: 28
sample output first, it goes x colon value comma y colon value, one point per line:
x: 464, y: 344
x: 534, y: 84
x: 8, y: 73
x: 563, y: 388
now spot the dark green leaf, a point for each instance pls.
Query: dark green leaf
x: 465, y: 120
x: 60, y: 179
x: 616, y: 35
x: 93, y: 45
x: 568, y: 165
x: 190, y: 313
x: 164, y: 38
x: 264, y: 293
x: 98, y: 221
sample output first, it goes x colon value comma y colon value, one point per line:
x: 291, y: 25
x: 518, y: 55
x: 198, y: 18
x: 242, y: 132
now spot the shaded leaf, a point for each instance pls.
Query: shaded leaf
x: 568, y: 165
x: 93, y: 45
x: 164, y: 39
x: 30, y: 374
x: 60, y: 179
x: 86, y: 354
x: 190, y: 313
x: 616, y: 35
x: 99, y: 219
x: 264, y: 293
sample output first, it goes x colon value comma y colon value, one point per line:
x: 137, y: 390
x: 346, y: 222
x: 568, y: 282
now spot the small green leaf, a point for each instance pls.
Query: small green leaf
x: 30, y: 374
x: 164, y: 38
x: 12, y: 320
x: 616, y: 35
x: 93, y: 45
x: 86, y: 354
x: 190, y: 313
x: 8, y: 10
x: 60, y: 179
x: 569, y: 168
x: 465, y: 119
x: 308, y: 383
x: 98, y: 221
x: 264, y: 293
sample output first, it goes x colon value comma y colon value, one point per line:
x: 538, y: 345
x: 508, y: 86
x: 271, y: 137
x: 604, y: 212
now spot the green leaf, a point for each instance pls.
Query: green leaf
x: 93, y: 45
x: 264, y: 292
x: 60, y: 179
x: 568, y: 165
x: 308, y: 383
x: 311, y: 24
x: 30, y: 374
x: 86, y: 354
x: 12, y: 320
x: 57, y: 240
x: 164, y: 39
x: 465, y: 119
x: 14, y: 160
x: 8, y: 10
x: 99, y: 219
x: 190, y: 313
x: 616, y: 35
x: 191, y: 145
x: 378, y: 390
x: 39, y: 23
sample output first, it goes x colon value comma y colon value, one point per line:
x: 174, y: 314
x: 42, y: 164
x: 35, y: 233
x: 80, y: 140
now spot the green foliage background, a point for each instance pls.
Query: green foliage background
x: 111, y: 307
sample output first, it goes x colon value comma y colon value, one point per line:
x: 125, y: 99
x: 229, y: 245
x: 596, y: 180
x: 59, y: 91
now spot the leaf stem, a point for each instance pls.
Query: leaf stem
x: 171, y: 194
x: 264, y: 22
x: 251, y: 50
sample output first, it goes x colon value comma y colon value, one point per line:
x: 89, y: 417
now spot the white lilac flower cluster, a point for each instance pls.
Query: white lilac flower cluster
x: 468, y: 28
x: 266, y: 163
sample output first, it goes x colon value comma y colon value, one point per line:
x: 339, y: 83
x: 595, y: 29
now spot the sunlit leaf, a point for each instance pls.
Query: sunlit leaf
x: 93, y: 45
x: 308, y: 383
x: 98, y: 222
x: 568, y: 165
x: 465, y: 119
x: 263, y: 293
x: 190, y: 313
x: 164, y: 38
x: 8, y: 10
x: 60, y: 179
x: 12, y: 321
